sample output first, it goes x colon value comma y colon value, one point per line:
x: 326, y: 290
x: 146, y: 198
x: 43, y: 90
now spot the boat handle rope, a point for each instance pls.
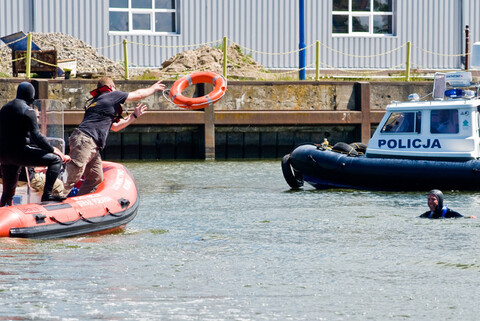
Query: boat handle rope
x: 83, y: 218
x: 64, y: 223
x: 110, y: 213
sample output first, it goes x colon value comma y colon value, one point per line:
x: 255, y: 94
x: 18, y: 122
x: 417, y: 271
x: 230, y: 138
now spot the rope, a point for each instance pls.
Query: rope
x: 110, y: 46
x: 13, y: 60
x: 439, y: 54
x: 358, y: 56
x: 64, y: 223
x: 44, y: 62
x: 275, y: 53
x: 179, y: 46
x: 218, y: 65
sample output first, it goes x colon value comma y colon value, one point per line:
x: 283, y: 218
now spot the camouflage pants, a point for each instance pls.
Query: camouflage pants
x: 86, y: 162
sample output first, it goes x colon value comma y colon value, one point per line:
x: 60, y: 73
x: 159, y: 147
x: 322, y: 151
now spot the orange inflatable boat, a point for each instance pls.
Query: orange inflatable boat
x: 111, y: 207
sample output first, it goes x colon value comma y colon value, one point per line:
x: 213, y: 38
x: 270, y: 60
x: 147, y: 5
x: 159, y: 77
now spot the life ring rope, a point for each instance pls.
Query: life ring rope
x: 174, y: 94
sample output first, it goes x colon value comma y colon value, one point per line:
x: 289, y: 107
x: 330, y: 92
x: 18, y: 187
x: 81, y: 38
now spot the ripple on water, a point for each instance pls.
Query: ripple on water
x: 230, y: 241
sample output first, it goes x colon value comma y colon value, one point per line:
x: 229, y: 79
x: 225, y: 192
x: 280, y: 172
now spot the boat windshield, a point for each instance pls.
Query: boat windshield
x: 444, y: 121
x: 403, y: 122
x: 50, y: 118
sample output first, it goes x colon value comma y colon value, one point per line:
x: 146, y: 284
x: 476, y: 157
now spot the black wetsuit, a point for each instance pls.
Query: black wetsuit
x: 444, y: 213
x: 17, y: 122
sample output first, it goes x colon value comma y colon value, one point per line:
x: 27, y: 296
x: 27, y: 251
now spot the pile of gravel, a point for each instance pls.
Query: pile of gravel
x: 239, y: 65
x: 90, y: 62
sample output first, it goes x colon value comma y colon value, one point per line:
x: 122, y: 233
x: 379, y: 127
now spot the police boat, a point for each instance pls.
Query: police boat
x: 418, y: 145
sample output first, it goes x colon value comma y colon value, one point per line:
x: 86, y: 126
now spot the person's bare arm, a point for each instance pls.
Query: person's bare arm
x: 65, y: 158
x: 142, y: 93
x: 140, y: 109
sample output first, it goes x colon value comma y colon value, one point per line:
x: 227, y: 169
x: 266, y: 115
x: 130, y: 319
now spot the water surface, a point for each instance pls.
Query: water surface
x: 230, y: 241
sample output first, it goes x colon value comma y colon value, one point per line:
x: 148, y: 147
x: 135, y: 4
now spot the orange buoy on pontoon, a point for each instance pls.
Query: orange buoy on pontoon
x: 209, y: 77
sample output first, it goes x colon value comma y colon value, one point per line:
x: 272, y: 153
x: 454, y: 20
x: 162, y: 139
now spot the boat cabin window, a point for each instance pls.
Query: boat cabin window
x: 444, y: 121
x: 403, y: 122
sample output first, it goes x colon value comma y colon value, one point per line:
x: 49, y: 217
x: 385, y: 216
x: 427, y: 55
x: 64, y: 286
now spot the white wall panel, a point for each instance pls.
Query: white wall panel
x: 263, y: 26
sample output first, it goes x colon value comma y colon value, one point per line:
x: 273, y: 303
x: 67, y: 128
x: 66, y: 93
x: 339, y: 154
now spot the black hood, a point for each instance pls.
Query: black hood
x: 25, y: 91
x: 439, y: 195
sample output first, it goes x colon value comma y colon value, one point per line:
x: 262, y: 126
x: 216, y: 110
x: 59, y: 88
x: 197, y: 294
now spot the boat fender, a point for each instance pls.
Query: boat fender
x: 344, y: 148
x: 361, y: 148
x: 293, y: 177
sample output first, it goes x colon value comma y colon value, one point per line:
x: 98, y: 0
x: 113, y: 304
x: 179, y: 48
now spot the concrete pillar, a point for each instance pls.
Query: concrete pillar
x: 363, y: 96
x: 41, y: 88
x: 209, y: 133
x: 209, y: 120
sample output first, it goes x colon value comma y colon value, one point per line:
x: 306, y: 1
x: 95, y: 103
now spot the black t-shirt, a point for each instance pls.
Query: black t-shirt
x: 17, y: 122
x: 100, y: 115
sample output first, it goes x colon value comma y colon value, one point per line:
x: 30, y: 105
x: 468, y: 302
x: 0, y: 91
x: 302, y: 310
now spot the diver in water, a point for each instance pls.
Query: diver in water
x: 17, y: 122
x: 437, y: 209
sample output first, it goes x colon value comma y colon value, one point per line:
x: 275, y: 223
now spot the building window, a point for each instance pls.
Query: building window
x: 143, y: 16
x: 362, y: 17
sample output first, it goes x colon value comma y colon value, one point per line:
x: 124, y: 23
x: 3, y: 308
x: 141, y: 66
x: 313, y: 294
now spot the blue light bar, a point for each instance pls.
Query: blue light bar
x: 454, y: 93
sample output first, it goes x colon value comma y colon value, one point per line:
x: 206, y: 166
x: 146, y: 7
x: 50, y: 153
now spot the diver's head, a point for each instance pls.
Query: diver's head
x: 435, y: 199
x: 25, y: 91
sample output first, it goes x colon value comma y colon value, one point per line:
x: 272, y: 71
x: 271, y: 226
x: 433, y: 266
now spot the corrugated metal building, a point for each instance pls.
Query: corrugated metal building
x: 352, y: 33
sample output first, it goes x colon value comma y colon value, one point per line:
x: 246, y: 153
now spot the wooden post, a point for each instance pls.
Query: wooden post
x: 407, y: 71
x: 209, y: 132
x: 467, y: 45
x: 28, y: 61
x: 125, y: 58
x: 224, y: 63
x: 363, y: 96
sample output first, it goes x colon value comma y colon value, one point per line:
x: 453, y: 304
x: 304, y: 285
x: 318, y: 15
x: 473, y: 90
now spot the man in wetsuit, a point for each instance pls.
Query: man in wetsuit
x: 87, y: 141
x: 17, y: 122
x: 437, y: 209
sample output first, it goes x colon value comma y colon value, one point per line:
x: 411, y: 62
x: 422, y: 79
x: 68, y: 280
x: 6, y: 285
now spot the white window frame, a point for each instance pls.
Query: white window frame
x: 370, y: 14
x: 149, y: 11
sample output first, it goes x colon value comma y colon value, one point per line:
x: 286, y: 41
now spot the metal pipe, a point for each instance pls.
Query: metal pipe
x: 317, y: 59
x: 34, y: 15
x: 301, y: 46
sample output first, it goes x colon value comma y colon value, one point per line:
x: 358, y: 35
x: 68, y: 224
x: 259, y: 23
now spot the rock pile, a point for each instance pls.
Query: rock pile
x: 89, y: 61
x: 239, y: 65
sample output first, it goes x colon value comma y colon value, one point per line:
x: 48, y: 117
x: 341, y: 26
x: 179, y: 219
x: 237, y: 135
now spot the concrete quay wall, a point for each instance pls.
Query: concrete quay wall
x: 253, y: 120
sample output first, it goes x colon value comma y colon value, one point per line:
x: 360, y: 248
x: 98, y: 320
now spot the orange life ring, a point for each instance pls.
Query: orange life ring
x: 209, y: 77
